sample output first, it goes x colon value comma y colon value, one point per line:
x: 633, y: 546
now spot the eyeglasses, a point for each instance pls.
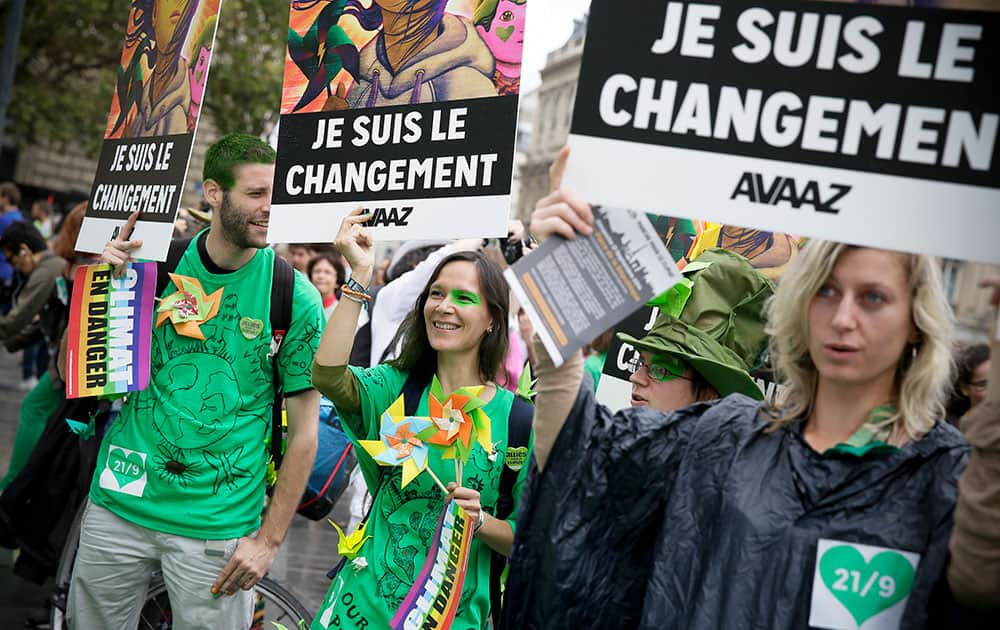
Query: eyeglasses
x: 980, y: 385
x: 662, y: 369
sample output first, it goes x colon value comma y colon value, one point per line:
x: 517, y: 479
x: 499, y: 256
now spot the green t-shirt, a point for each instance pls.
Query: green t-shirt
x: 594, y: 365
x: 187, y: 455
x: 403, y: 520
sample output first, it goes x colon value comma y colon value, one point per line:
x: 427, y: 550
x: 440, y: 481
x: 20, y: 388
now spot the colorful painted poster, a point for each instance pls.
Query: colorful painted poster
x: 769, y: 252
x: 151, y: 126
x: 434, y: 598
x: 868, y: 124
x: 405, y: 107
x: 110, y: 327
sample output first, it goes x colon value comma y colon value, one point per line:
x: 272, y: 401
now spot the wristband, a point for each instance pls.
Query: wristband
x: 479, y: 523
x: 348, y: 296
x: 354, y: 285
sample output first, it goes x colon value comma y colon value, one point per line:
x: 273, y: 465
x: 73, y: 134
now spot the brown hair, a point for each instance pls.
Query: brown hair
x: 65, y: 244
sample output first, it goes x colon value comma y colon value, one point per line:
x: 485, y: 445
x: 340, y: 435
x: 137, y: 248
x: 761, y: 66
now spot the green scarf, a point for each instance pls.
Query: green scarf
x: 871, y: 438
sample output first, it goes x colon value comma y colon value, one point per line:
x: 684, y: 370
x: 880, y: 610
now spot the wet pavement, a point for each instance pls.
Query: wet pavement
x: 308, y: 553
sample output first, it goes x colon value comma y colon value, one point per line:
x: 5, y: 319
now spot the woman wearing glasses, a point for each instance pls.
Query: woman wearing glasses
x: 703, y: 344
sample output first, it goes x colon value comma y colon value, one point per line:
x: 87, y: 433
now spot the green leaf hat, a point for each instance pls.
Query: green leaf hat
x: 713, y: 321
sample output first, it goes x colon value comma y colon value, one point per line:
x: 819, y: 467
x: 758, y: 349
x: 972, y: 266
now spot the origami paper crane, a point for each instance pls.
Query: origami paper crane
x: 459, y: 421
x: 188, y: 308
x: 349, y: 545
x: 400, y: 444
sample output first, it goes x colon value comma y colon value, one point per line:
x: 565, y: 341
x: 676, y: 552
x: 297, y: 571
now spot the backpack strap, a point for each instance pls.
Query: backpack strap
x: 413, y: 391
x: 174, y: 254
x: 519, y: 423
x: 282, y: 290
x: 522, y: 414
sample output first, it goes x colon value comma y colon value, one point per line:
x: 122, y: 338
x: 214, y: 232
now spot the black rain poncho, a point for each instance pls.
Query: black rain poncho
x: 701, y: 520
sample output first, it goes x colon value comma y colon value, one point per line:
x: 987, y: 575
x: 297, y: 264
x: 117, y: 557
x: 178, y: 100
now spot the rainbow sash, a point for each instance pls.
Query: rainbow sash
x: 433, y: 599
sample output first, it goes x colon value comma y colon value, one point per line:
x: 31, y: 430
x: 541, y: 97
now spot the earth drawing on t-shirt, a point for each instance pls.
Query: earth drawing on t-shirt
x: 200, y: 402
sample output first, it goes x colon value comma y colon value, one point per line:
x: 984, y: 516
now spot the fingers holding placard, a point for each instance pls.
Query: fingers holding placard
x: 354, y: 241
x: 118, y: 251
x: 561, y: 212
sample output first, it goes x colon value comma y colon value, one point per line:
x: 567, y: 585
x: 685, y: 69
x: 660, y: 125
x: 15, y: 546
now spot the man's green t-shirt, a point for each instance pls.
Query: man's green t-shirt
x: 187, y: 455
x: 403, y: 520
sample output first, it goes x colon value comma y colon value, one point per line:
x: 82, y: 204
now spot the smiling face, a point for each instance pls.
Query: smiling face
x: 324, y: 277
x: 505, y: 35
x: 456, y: 316
x: 246, y: 208
x: 860, y: 320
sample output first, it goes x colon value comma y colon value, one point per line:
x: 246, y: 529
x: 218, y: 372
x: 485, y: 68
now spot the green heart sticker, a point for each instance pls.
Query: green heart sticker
x: 515, y: 457
x: 125, y: 468
x: 505, y: 33
x: 866, y: 588
x: 251, y: 327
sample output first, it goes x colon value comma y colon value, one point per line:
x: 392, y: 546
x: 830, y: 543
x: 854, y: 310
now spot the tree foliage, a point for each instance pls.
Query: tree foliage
x: 69, y: 54
x: 244, y: 83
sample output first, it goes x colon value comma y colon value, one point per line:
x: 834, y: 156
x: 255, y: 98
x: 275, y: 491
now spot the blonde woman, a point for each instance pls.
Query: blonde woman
x: 830, y: 508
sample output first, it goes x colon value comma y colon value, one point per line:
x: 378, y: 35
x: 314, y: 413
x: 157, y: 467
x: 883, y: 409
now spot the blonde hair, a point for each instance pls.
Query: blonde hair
x: 922, y: 379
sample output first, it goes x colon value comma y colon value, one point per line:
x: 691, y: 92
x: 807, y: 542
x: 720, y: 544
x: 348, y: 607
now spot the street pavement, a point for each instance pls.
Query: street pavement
x: 308, y: 553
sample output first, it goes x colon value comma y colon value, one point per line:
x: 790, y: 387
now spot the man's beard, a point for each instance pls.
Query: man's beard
x: 235, y: 225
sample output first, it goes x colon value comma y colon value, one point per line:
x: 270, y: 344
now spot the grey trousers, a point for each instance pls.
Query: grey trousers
x: 115, y: 561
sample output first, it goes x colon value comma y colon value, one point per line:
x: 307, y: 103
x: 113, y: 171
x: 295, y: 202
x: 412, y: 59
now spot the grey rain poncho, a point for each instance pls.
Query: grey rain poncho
x: 701, y: 520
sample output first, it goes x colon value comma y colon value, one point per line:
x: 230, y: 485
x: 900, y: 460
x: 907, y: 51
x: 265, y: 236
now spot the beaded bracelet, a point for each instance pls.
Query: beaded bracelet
x: 353, y: 299
x: 359, y: 296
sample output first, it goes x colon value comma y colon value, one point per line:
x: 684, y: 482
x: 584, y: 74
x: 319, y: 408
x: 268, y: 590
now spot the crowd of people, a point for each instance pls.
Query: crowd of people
x: 702, y: 505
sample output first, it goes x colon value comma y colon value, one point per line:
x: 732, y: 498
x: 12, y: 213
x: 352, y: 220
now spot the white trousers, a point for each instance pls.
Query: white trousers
x: 115, y: 561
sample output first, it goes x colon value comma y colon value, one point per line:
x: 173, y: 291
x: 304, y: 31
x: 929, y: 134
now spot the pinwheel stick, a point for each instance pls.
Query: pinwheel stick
x: 438, y: 481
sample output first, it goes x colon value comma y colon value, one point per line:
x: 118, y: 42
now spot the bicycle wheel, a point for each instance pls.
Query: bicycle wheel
x: 274, y: 604
x: 65, y: 571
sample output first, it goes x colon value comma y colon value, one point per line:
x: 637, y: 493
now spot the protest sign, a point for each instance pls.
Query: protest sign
x: 769, y: 252
x: 866, y: 124
x: 151, y: 127
x: 417, y: 127
x: 434, y: 597
x: 574, y: 290
x: 110, y: 327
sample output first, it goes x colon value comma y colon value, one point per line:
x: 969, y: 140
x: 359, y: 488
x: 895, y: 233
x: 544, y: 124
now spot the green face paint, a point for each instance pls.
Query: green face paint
x: 464, y: 298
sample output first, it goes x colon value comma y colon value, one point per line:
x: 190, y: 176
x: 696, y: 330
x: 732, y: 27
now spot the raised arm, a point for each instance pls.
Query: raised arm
x: 355, y: 243
x: 974, y: 569
x: 562, y: 213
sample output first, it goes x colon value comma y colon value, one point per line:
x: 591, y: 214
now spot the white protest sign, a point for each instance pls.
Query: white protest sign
x: 866, y: 124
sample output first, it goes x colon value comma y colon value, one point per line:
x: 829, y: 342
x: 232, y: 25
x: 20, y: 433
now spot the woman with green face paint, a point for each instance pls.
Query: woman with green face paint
x: 455, y: 336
